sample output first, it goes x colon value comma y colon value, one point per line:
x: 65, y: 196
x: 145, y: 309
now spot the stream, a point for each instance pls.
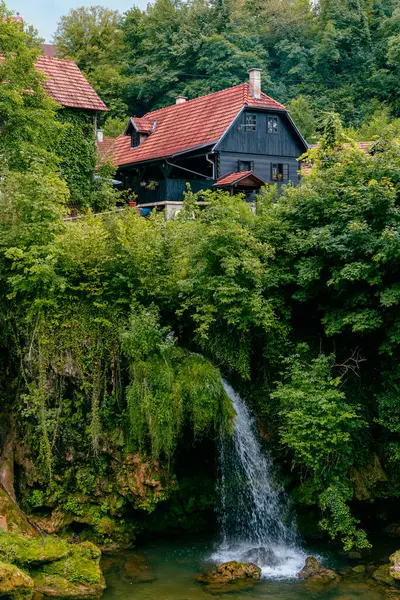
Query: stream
x: 256, y: 525
x: 175, y: 563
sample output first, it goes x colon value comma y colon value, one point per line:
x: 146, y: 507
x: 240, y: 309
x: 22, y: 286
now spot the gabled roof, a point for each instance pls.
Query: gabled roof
x: 67, y: 85
x: 105, y: 150
x: 245, y: 178
x: 193, y: 124
x: 143, y: 124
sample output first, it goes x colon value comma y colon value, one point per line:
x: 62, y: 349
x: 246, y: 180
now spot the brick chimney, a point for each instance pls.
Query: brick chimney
x: 255, y: 82
x: 180, y: 99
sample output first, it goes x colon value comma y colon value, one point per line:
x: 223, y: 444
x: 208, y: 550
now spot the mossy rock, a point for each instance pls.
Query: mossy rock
x: 14, y: 583
x: 81, y: 566
x: 25, y: 550
x: 13, y: 519
x: 395, y: 565
x: 55, y: 586
x: 382, y: 575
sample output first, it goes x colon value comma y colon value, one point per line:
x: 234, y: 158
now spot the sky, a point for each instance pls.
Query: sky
x: 45, y: 14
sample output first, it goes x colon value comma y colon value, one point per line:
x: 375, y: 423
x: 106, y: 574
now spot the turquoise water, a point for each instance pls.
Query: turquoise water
x: 174, y: 564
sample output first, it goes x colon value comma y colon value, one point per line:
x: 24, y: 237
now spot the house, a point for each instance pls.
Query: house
x: 67, y: 85
x: 236, y: 139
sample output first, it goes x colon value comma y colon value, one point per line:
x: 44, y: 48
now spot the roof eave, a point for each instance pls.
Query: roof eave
x: 165, y: 156
x: 218, y: 142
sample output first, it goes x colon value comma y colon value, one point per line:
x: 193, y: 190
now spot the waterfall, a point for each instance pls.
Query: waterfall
x: 254, y: 509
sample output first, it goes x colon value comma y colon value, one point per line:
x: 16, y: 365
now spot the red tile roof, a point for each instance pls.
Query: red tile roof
x: 192, y: 124
x: 143, y: 125
x: 67, y: 84
x: 232, y: 179
x: 105, y: 150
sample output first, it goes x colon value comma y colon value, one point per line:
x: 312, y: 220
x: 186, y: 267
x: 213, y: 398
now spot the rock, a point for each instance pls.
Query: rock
x: 393, y: 530
x: 12, y: 518
x: 315, y: 571
x: 142, y: 481
x: 26, y: 550
x: 261, y: 556
x: 395, y: 565
x: 138, y: 570
x: 359, y: 569
x: 14, y: 583
x: 81, y: 566
x: 78, y: 575
x: 367, y: 479
x: 230, y: 571
x: 55, y: 586
x: 382, y: 575
x: 3, y: 523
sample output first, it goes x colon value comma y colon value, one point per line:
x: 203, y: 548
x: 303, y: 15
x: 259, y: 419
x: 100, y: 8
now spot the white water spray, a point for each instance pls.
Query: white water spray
x: 254, y: 509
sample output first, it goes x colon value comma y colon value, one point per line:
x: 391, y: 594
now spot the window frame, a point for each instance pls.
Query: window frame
x: 274, y: 120
x: 282, y: 171
x: 247, y: 162
x: 253, y: 117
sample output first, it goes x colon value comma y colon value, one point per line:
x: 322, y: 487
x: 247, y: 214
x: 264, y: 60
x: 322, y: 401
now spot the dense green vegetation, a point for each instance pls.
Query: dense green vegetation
x: 316, y: 57
x: 115, y: 329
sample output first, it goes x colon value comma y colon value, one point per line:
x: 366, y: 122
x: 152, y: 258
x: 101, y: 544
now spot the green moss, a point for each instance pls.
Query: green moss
x: 14, y: 517
x: 81, y: 566
x: 25, y: 550
x: 14, y: 583
x: 56, y: 586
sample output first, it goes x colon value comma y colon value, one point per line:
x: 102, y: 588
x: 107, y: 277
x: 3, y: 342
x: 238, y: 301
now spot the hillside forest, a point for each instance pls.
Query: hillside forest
x: 316, y: 57
x: 115, y: 329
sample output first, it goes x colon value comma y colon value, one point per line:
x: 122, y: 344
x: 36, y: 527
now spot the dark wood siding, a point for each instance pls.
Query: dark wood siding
x: 284, y: 143
x: 260, y: 147
x: 228, y: 163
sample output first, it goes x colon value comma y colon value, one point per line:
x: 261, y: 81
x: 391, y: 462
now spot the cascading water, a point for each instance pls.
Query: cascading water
x: 253, y: 508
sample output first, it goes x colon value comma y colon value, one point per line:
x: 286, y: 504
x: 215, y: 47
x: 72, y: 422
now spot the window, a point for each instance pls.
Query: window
x: 135, y: 139
x: 251, y: 122
x: 245, y: 165
x: 279, y: 172
x: 272, y: 124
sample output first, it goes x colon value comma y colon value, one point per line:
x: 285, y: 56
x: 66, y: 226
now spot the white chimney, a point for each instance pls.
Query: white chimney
x: 100, y: 135
x: 180, y: 99
x: 255, y: 82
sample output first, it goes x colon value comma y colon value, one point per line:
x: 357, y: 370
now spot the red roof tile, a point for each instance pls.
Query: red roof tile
x: 67, y: 84
x: 233, y: 178
x: 143, y: 125
x: 105, y: 150
x: 192, y: 124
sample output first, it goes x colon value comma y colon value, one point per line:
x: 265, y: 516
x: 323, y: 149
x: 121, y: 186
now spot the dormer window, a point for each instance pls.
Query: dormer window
x: 135, y: 139
x: 251, y: 122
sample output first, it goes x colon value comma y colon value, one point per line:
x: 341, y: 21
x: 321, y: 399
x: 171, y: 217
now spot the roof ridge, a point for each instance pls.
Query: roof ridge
x: 187, y: 102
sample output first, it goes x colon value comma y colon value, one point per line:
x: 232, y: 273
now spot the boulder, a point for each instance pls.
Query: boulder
x: 137, y: 569
x: 395, y: 565
x: 55, y: 586
x: 14, y: 583
x: 81, y: 566
x: 313, y: 570
x: 382, y: 575
x: 230, y: 571
x: 78, y: 575
x: 26, y: 550
x: 261, y: 556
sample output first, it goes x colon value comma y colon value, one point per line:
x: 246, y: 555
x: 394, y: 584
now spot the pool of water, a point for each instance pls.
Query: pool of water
x: 174, y: 564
